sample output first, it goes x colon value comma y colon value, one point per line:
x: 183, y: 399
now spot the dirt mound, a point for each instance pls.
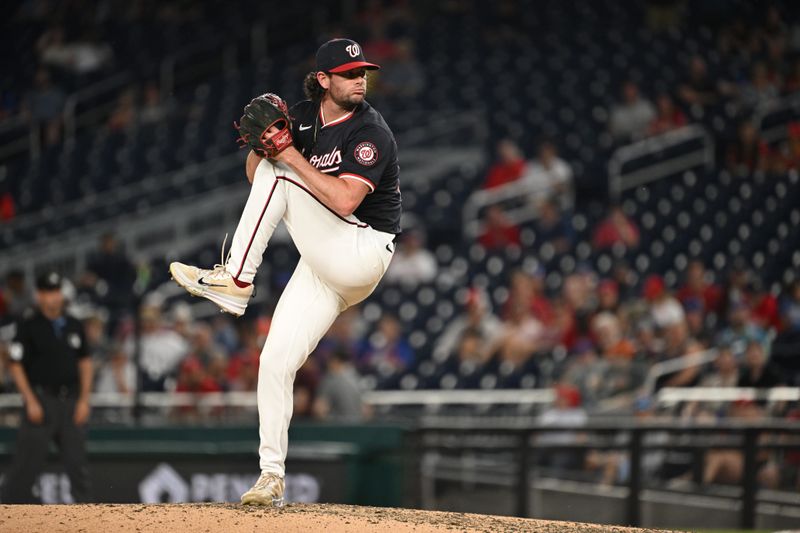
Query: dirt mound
x: 230, y: 518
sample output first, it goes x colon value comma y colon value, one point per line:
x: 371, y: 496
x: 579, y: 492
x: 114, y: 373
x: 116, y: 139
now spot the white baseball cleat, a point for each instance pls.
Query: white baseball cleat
x: 268, y: 491
x: 216, y: 285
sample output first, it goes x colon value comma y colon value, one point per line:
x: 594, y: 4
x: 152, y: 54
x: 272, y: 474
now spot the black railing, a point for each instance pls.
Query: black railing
x: 518, y: 439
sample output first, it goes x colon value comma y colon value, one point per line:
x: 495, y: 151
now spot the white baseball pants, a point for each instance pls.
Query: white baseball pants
x: 342, y: 260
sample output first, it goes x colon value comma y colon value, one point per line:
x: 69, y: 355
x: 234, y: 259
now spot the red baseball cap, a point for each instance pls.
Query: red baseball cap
x: 341, y: 55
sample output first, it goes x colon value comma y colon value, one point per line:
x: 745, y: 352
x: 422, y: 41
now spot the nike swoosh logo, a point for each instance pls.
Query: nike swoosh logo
x: 388, y: 249
x: 201, y: 282
x: 303, y: 128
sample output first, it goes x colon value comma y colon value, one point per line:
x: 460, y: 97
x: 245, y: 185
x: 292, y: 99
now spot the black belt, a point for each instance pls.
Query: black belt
x: 62, y: 391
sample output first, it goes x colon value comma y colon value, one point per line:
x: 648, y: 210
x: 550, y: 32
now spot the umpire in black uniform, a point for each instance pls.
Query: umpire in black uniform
x: 52, y: 370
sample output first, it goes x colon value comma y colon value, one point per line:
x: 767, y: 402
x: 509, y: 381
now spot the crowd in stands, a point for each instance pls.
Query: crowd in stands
x: 593, y: 337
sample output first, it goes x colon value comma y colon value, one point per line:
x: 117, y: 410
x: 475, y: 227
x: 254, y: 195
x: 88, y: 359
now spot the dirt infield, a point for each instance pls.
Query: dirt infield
x: 230, y: 518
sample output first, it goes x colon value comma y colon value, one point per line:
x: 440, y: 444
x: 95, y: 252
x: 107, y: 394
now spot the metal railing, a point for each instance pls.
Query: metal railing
x: 176, y: 218
x: 108, y: 89
x: 672, y: 395
x: 17, y: 136
x: 782, y: 111
x: 620, y: 180
x: 675, y: 365
x: 520, y: 190
x: 518, y: 441
x: 238, y: 399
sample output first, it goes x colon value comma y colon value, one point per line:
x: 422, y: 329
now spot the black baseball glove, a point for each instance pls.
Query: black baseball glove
x: 262, y: 113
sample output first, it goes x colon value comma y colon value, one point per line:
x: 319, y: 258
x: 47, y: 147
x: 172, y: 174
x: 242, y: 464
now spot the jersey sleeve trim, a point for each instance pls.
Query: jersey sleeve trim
x: 366, y: 181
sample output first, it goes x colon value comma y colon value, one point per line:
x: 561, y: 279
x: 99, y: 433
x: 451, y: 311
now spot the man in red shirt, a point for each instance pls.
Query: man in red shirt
x: 509, y: 166
x: 697, y: 287
x: 616, y: 228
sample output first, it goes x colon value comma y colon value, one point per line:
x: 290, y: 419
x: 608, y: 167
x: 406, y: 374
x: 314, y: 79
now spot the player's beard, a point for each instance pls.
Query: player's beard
x: 345, y: 101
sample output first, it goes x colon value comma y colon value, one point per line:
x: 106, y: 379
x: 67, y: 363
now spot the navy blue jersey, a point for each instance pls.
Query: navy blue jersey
x: 357, y: 146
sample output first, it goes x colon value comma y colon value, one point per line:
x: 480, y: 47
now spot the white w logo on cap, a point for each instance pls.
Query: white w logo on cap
x: 353, y: 50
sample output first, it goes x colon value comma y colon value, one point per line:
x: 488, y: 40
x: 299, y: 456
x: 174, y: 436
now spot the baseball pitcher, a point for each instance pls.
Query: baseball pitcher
x: 330, y: 172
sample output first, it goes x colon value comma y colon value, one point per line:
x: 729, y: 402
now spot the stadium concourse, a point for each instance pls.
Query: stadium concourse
x: 601, y: 200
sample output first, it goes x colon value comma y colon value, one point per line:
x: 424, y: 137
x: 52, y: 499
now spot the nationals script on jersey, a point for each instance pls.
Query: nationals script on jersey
x: 357, y: 146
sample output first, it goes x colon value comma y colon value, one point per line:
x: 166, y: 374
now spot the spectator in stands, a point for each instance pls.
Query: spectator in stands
x: 630, y: 119
x: 756, y: 372
x: 583, y: 369
x: 82, y: 57
x: 680, y: 345
x: 741, y: 330
x: 738, y: 285
x: 665, y: 310
x: 760, y: 89
x: 471, y: 349
x: 554, y: 227
x: 242, y: 371
x: 211, y: 356
x: 182, y: 320
x: 45, y: 104
x: 676, y: 339
x: 379, y: 47
x: 541, y: 305
x: 526, y: 289
x: 17, y: 297
x: 522, y: 335
x: 615, y: 465
x: 162, y: 350
x: 100, y: 346
x: 608, y: 296
x: 725, y: 372
x: 124, y: 114
x: 154, y: 110
x: 727, y: 466
x: 696, y: 321
x: 790, y: 306
x: 339, y: 392
x: 499, y: 231
x: 203, y: 346
x: 225, y: 334
x: 566, y: 411
x: 697, y: 287
x: 116, y: 373
x: 649, y: 347
x: 699, y: 87
x: 785, y: 350
x: 551, y: 176
x: 668, y: 117
x: 386, y: 351
x: 193, y: 377
x: 608, y: 335
x: 625, y: 279
x: 509, y: 167
x: 343, y: 335
x: 8, y: 208
x: 576, y: 308
x: 402, y: 75
x: 615, y: 229
x: 477, y: 318
x: 765, y: 308
x: 111, y: 274
x: 748, y: 152
x: 412, y: 264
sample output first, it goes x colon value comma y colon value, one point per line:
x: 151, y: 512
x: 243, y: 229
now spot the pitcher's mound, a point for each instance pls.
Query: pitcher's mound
x: 231, y: 518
